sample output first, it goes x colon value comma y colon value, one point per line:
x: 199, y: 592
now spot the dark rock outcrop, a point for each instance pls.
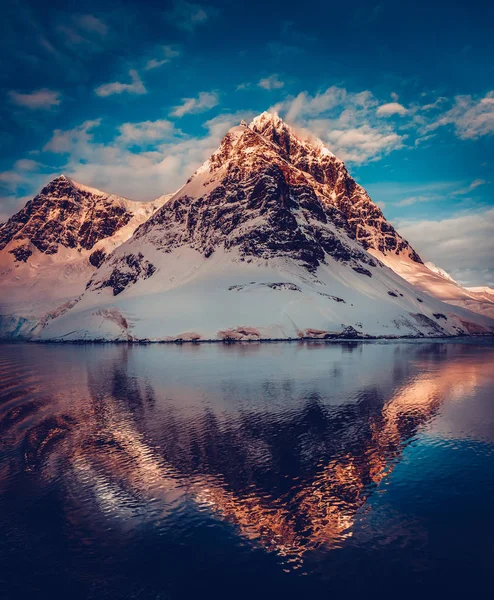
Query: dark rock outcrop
x: 65, y: 214
x: 126, y: 271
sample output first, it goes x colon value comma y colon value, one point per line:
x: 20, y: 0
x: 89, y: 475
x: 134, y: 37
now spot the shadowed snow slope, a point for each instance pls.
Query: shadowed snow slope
x: 270, y: 238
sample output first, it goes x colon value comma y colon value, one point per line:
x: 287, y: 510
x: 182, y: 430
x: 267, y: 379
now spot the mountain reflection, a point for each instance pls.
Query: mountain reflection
x: 287, y: 454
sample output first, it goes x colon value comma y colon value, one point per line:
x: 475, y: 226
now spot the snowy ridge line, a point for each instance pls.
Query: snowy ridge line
x: 269, y: 240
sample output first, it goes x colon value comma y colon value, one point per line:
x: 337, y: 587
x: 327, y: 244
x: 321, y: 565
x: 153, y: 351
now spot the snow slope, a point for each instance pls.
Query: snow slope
x: 270, y: 239
x: 435, y: 281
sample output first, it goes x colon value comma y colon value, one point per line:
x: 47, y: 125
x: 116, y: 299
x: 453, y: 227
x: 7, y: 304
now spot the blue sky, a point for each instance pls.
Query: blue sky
x: 132, y: 97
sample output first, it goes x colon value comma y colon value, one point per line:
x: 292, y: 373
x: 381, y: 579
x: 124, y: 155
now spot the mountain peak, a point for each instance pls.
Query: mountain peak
x: 271, y: 166
x: 267, y: 117
x: 71, y: 215
x: 291, y: 140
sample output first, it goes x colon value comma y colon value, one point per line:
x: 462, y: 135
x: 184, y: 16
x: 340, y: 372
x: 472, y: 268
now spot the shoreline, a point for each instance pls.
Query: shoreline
x: 303, y: 340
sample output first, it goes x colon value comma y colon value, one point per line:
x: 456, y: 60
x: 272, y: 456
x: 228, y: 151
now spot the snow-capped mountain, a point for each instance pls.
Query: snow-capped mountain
x: 50, y: 248
x: 270, y: 238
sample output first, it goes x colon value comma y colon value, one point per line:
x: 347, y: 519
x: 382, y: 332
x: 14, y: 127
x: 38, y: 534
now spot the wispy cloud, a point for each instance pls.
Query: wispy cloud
x: 205, y: 101
x: 83, y: 30
x: 188, y: 15
x: 135, y: 86
x: 14, y: 178
x: 474, y: 185
x: 27, y: 164
x: 345, y: 121
x: 43, y: 99
x: 471, y: 117
x: 411, y: 200
x: 273, y: 82
x: 10, y: 179
x: 123, y: 166
x: 391, y: 108
x: 145, y: 132
x: 91, y: 23
x: 167, y: 54
x: 64, y: 141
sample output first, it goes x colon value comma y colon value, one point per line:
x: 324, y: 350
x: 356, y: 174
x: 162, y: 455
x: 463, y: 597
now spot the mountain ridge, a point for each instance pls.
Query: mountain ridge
x: 269, y: 239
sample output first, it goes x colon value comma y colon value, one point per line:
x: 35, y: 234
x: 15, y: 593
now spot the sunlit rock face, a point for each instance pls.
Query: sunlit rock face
x: 65, y: 214
x: 269, y: 193
x: 336, y: 187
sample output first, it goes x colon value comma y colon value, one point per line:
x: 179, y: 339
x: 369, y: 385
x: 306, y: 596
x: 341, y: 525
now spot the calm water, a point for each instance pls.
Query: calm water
x: 246, y: 471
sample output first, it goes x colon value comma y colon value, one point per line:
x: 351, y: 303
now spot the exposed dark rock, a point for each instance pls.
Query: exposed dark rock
x: 283, y: 285
x: 361, y: 215
x: 440, y: 316
x: 127, y: 270
x: 335, y: 298
x: 63, y: 214
x: 97, y: 257
x: 362, y: 271
x: 21, y: 253
x: 393, y: 294
x: 350, y: 332
x: 263, y: 207
x: 428, y: 322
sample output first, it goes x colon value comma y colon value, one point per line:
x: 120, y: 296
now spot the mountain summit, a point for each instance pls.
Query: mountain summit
x: 269, y: 239
x: 67, y: 214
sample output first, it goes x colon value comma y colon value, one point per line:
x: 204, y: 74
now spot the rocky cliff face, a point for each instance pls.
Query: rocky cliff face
x: 258, y: 195
x: 66, y: 214
x: 332, y: 182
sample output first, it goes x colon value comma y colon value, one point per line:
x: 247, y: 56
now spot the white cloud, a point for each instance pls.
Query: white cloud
x: 345, y: 121
x: 391, y: 108
x: 27, y: 164
x: 134, y: 87
x: 146, y: 132
x: 363, y: 143
x: 463, y: 245
x: 273, y: 82
x: 168, y: 161
x: 471, y: 117
x: 438, y: 102
x: 411, y: 200
x: 64, y: 141
x: 10, y: 179
x: 40, y: 99
x: 475, y: 184
x: 188, y: 15
x: 205, y: 101
x: 168, y: 53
